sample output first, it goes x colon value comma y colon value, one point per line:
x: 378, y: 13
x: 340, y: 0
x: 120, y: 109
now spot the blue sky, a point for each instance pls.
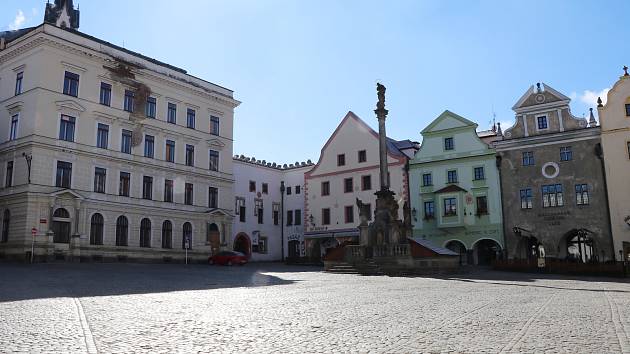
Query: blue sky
x: 299, y: 66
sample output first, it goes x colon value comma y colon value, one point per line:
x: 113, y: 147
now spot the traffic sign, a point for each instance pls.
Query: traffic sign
x: 34, y: 231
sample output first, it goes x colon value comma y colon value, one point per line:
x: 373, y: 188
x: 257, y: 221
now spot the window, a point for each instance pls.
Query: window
x: 14, y: 126
x: 552, y: 196
x: 66, y: 129
x: 190, y: 118
x: 258, y: 210
x: 8, y: 178
x: 188, y: 194
x: 349, y: 214
x: 288, y: 190
x: 168, y: 190
x: 566, y: 154
x: 528, y: 158
x: 289, y: 217
x: 96, y: 229
x: 145, y: 233
x: 265, y: 188
x: 214, y: 160
x: 362, y: 156
x: 187, y: 235
x: 171, y: 113
x: 213, y: 197
x: 262, y: 245
x: 149, y: 150
x: 298, y: 217
x: 326, y: 216
x: 64, y: 174
x: 627, y: 109
x: 325, y: 188
x: 147, y: 187
x: 479, y: 173
x: 526, y: 198
x: 581, y: 194
x: 366, y: 183
x: 125, y: 141
x: 102, y: 135
x: 252, y: 186
x: 341, y: 160
x: 297, y: 189
x: 451, y: 176
x: 542, y: 122
x: 347, y: 185
x: 106, y: 94
x: 240, y: 208
x: 449, y: 144
x: 450, y: 206
x: 71, y: 84
x: 482, y: 205
x: 429, y: 210
x: 128, y: 102
x: 276, y: 213
x: 18, y: 82
x: 214, y: 125
x: 170, y: 151
x: 190, y: 155
x: 167, y: 234
x: 100, y: 177
x: 149, y: 109
x: 427, y: 179
x: 124, y: 184
x: 122, y: 230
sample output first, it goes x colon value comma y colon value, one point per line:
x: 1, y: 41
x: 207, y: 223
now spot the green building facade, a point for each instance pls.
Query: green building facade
x: 454, y: 189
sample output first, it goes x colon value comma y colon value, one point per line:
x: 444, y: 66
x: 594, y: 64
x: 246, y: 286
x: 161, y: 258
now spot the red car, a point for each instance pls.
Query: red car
x: 228, y: 258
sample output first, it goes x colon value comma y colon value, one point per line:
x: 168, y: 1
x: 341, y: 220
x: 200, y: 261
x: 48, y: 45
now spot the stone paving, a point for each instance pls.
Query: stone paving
x: 121, y: 308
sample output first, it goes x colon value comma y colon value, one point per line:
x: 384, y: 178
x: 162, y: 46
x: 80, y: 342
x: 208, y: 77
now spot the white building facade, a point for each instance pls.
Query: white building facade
x: 268, y: 208
x: 348, y: 168
x: 106, y: 153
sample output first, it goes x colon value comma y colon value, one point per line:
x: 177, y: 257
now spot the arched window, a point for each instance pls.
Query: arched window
x: 122, y: 230
x: 96, y: 230
x: 167, y: 234
x: 145, y: 233
x: 6, y: 218
x: 187, y: 235
x: 61, y: 226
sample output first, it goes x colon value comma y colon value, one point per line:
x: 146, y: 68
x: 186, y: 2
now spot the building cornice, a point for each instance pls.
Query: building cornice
x: 548, y: 139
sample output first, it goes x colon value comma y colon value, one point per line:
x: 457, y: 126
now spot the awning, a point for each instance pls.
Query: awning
x: 332, y: 233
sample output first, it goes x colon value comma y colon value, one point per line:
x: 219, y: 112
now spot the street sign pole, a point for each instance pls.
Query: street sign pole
x: 33, y: 232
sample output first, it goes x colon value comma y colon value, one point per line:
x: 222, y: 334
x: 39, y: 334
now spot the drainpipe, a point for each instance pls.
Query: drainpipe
x: 599, y: 152
x: 282, y: 189
x: 505, y: 245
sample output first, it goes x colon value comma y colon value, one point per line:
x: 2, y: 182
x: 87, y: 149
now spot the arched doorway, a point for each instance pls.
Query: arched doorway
x: 61, y: 226
x: 242, y: 244
x: 486, y: 251
x: 459, y: 248
x: 167, y: 234
x: 96, y: 229
x: 294, y: 249
x: 214, y: 236
x: 578, y: 246
x: 122, y: 230
x: 145, y: 233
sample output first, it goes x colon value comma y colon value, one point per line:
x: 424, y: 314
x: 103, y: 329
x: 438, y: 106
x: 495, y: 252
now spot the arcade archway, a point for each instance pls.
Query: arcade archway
x: 486, y: 251
x: 243, y: 244
x: 459, y: 248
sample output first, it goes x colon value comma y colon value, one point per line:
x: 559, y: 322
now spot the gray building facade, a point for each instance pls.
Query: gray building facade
x: 553, y: 182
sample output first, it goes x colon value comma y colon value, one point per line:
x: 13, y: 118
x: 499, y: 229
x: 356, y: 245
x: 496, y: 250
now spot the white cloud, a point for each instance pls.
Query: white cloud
x: 589, y: 97
x: 18, y: 21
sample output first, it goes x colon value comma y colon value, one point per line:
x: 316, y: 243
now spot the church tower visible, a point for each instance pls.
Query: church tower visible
x: 62, y: 14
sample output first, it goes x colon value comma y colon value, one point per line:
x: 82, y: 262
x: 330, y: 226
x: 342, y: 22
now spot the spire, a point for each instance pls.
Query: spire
x: 591, y: 121
x: 599, y: 102
x: 62, y: 14
x: 499, y: 131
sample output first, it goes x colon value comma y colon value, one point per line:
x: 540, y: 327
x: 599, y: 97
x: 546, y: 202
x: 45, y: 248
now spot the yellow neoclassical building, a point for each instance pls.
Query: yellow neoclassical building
x: 614, y: 119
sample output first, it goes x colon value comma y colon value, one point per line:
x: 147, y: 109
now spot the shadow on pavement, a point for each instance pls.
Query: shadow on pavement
x: 38, y: 281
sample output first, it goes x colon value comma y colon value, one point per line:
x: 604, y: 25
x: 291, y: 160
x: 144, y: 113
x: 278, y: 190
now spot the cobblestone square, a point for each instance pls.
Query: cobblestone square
x: 120, y: 308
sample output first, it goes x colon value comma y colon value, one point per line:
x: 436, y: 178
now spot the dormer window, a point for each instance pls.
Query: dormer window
x: 542, y: 122
x: 449, y: 144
